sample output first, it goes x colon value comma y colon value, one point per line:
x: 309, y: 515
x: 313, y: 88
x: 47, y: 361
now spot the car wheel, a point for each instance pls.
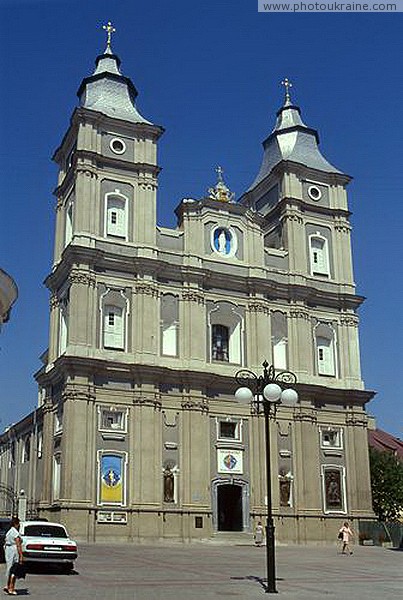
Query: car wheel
x: 68, y: 568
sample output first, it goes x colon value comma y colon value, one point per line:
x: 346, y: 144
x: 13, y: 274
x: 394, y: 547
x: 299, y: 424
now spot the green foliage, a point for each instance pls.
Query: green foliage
x: 386, y: 484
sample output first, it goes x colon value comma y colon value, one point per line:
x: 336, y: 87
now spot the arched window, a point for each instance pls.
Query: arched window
x: 113, y: 327
x: 220, y: 343
x: 116, y: 215
x: 225, y: 332
x: 319, y: 255
x: 325, y: 350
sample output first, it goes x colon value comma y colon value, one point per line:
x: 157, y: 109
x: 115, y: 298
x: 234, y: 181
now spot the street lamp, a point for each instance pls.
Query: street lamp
x: 267, y: 392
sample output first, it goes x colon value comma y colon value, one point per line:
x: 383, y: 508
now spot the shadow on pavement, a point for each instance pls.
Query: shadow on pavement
x: 47, y: 569
x: 256, y: 579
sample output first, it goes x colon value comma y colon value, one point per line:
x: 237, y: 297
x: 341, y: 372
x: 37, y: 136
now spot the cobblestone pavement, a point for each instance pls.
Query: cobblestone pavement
x: 209, y: 571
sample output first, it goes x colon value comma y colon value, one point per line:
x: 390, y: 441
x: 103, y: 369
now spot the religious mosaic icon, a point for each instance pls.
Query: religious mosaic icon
x: 230, y: 461
x: 111, y: 479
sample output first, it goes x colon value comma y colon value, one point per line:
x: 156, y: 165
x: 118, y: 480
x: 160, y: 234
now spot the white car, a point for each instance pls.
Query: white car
x: 47, y: 543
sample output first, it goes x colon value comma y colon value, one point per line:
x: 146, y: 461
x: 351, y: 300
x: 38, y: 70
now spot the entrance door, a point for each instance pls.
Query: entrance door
x: 229, y: 507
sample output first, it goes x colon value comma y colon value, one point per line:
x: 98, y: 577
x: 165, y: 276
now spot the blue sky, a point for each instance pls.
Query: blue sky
x: 209, y: 72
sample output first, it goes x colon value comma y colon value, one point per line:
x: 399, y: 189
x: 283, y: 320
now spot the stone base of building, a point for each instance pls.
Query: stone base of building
x: 151, y: 526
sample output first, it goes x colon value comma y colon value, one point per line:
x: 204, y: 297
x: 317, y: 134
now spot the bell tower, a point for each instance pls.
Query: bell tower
x: 106, y: 197
x: 303, y: 199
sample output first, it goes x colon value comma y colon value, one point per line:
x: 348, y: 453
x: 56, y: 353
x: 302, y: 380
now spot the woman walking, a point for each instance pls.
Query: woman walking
x: 346, y: 534
x: 13, y: 554
x: 259, y: 534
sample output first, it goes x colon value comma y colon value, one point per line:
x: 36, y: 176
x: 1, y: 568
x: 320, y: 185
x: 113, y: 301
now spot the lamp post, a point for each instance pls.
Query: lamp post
x: 267, y: 392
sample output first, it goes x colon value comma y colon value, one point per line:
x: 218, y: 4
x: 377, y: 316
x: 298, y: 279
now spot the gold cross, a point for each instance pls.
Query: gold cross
x: 287, y: 84
x: 109, y: 30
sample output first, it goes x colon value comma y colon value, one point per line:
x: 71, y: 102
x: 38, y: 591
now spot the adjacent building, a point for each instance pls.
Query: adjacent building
x: 137, y: 434
x: 8, y: 295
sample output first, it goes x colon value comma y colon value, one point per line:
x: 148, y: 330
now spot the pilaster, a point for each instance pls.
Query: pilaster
x: 78, y: 444
x: 258, y: 333
x: 300, y: 341
x: 193, y: 316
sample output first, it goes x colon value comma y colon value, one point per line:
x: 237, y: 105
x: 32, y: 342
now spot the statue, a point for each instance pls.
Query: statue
x: 285, y: 480
x: 169, y: 483
x: 333, y: 491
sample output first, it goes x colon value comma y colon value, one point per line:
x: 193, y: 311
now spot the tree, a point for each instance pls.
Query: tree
x: 386, y: 484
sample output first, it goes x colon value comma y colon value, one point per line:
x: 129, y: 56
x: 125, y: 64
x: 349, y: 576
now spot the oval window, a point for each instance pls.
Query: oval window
x: 117, y: 146
x: 314, y: 193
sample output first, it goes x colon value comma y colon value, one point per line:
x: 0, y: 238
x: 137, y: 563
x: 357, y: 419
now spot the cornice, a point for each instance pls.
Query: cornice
x: 81, y: 116
x: 276, y: 286
x: 92, y: 164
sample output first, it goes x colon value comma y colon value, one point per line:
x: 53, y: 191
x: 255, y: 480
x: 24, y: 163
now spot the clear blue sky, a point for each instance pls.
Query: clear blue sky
x: 209, y: 72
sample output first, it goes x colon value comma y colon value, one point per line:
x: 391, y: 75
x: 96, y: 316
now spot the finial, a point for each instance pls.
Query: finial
x: 287, y: 85
x: 220, y: 191
x: 109, y: 30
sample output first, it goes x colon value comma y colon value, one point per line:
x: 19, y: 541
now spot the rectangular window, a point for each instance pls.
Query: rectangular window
x: 26, y: 450
x: 229, y: 430
x: 39, y: 443
x: 220, y: 342
x: 58, y: 422
x: 331, y: 437
x: 116, y: 216
x: 319, y: 256
x: 112, y: 419
x: 325, y: 353
x: 114, y: 327
x: 11, y: 461
x: 56, y: 477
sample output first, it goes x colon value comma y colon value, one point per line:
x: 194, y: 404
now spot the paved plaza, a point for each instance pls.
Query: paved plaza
x: 209, y: 571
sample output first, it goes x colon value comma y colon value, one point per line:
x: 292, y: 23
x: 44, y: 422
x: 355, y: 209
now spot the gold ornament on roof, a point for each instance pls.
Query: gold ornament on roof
x: 287, y: 85
x: 109, y: 30
x: 220, y: 191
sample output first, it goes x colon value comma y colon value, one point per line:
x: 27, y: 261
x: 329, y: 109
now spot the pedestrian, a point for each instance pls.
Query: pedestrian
x: 259, y: 534
x: 346, y: 534
x: 13, y: 554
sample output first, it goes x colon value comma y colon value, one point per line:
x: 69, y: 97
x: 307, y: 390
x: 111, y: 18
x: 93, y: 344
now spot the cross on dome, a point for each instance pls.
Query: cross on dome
x: 219, y: 170
x: 220, y: 191
x: 109, y: 30
x: 287, y: 85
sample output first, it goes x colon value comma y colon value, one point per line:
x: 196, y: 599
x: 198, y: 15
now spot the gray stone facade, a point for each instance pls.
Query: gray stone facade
x: 137, y: 434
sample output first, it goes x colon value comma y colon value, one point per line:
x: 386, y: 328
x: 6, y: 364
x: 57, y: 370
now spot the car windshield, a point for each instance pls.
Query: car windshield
x: 45, y: 531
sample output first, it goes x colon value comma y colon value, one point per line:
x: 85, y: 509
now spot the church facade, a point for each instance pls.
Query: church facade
x: 137, y: 434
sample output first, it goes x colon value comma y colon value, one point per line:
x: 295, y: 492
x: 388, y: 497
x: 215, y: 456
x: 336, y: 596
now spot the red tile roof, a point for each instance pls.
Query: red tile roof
x: 381, y: 440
